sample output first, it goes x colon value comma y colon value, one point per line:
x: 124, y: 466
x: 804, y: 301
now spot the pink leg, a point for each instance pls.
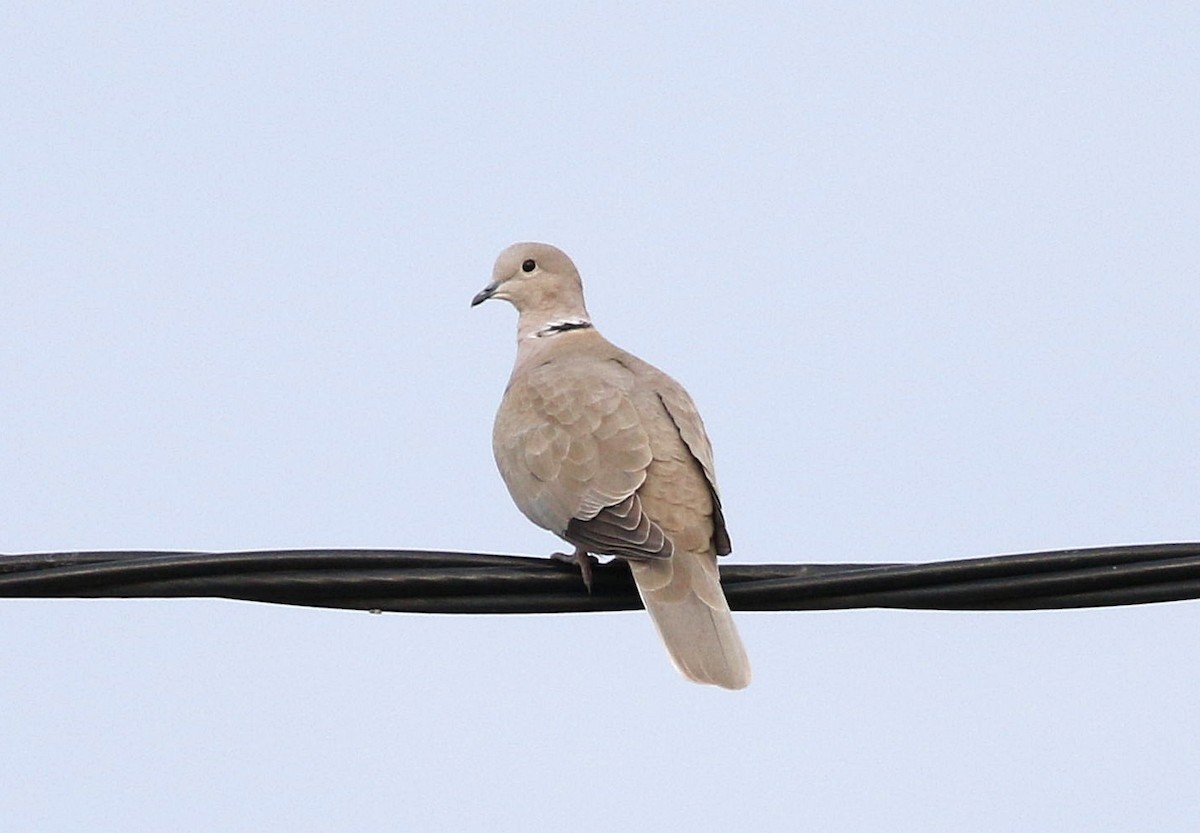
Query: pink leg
x: 582, y: 559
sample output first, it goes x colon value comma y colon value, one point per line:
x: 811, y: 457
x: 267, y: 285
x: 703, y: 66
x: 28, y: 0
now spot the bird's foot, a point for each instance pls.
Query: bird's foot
x: 584, y: 560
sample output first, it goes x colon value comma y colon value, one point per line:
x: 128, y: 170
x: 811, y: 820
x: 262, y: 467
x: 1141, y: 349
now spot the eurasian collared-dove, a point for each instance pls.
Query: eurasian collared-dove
x: 609, y: 453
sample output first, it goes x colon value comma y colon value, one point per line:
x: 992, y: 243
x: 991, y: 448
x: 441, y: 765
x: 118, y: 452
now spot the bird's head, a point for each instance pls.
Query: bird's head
x: 540, y: 281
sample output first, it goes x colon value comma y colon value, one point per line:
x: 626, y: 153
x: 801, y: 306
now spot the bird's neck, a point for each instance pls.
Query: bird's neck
x: 556, y: 337
x: 538, y: 325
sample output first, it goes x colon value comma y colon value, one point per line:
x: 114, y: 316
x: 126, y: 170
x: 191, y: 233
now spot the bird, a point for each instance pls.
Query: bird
x: 610, y: 454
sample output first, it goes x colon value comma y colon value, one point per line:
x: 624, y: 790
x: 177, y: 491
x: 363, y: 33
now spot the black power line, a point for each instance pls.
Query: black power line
x: 422, y: 581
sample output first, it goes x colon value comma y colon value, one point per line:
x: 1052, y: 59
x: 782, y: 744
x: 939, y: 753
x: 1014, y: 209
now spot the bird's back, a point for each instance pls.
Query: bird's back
x: 585, y: 426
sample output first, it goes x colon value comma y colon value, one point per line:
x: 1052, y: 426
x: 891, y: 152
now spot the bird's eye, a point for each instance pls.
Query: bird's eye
x: 528, y: 266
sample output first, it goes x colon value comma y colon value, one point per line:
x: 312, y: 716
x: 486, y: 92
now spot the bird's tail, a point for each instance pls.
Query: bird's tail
x: 683, y: 596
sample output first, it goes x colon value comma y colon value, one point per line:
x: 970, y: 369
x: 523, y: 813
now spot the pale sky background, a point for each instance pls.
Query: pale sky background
x: 932, y: 275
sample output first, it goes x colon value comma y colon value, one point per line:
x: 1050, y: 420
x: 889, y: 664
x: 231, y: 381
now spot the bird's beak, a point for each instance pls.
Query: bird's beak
x: 483, y: 294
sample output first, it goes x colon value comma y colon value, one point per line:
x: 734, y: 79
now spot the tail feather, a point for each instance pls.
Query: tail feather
x: 683, y: 596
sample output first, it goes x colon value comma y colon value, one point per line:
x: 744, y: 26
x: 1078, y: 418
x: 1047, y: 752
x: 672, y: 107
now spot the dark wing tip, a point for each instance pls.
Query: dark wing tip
x: 621, y: 529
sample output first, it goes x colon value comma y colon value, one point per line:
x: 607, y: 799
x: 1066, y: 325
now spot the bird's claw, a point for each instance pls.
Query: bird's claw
x: 582, y: 559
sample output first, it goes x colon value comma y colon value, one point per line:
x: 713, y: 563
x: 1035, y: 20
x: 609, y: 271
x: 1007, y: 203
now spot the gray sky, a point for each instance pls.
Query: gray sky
x: 933, y: 277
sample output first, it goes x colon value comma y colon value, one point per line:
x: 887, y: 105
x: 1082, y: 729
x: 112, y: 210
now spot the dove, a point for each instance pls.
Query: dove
x: 609, y: 453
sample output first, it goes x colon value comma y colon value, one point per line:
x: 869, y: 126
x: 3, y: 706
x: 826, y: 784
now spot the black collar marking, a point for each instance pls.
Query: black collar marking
x: 565, y: 326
